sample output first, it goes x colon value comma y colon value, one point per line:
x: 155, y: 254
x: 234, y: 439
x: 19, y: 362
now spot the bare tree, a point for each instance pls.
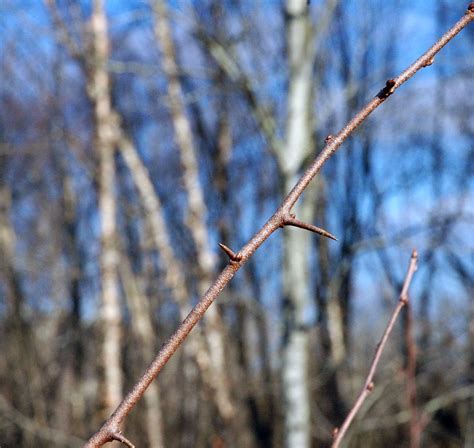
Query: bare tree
x: 208, y: 107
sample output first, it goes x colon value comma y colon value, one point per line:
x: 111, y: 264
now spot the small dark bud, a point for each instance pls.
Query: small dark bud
x: 389, y: 85
x: 329, y: 138
x: 470, y: 8
x: 388, y: 89
x: 428, y: 63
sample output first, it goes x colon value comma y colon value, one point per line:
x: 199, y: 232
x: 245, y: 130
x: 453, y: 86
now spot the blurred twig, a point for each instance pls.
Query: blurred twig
x: 339, y: 433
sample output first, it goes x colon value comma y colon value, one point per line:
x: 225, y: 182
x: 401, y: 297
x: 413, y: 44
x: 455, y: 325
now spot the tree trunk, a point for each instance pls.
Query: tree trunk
x: 295, y: 281
x: 106, y: 138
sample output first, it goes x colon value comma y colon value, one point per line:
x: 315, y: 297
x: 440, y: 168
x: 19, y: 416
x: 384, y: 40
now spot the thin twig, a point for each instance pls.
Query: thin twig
x: 114, y: 423
x: 339, y: 433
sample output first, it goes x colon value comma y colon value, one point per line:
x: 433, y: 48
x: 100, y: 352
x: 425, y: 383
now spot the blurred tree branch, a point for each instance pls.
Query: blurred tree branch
x: 339, y: 433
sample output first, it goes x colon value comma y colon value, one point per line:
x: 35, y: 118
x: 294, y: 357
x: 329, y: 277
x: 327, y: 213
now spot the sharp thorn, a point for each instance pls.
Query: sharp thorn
x: 326, y: 234
x: 230, y: 253
x: 292, y: 221
x: 227, y: 250
x: 122, y: 439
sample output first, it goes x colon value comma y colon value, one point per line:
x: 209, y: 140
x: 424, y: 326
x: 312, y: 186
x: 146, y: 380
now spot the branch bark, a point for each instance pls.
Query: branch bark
x: 111, y: 429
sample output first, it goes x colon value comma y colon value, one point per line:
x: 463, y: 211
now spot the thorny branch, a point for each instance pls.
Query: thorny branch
x: 111, y: 429
x: 369, y: 382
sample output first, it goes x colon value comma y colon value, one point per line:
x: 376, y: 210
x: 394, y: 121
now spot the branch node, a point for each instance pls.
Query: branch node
x: 234, y: 258
x: 470, y: 8
x: 370, y: 386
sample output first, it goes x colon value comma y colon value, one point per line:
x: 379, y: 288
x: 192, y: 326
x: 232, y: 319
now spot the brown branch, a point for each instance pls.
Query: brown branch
x: 369, y: 382
x: 114, y: 423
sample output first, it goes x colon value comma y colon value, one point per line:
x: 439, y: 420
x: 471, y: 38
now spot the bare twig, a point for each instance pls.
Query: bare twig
x: 339, y: 433
x: 113, y: 425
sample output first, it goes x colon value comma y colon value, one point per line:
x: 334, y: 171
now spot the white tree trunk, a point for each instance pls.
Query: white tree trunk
x: 297, y: 294
x: 99, y: 91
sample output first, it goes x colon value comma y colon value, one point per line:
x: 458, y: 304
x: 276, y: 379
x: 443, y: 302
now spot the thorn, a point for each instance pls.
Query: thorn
x: 329, y: 138
x: 230, y: 253
x: 292, y: 221
x: 428, y: 63
x: 122, y: 439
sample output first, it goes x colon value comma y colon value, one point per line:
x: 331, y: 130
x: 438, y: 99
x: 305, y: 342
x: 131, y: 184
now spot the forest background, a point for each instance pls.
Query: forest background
x: 135, y: 136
